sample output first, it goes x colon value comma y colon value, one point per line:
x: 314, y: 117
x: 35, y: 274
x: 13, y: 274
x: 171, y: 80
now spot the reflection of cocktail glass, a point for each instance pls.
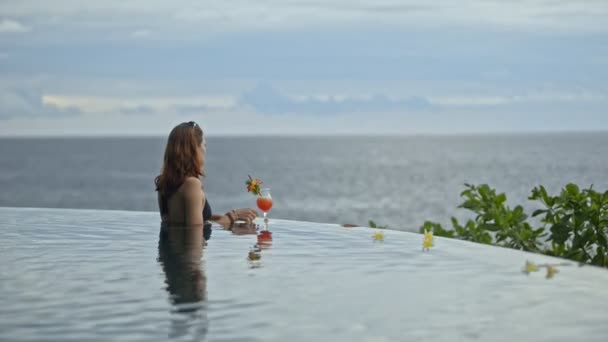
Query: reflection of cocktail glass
x: 264, y: 201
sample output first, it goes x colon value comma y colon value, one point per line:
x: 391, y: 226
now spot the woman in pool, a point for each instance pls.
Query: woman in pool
x: 181, y: 199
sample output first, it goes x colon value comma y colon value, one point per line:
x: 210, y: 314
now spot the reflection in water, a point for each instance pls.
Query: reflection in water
x: 255, y: 253
x: 242, y: 229
x: 180, y: 252
x: 265, y: 239
x: 254, y: 257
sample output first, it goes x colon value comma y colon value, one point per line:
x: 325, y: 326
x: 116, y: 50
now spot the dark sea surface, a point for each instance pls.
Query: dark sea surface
x: 398, y: 181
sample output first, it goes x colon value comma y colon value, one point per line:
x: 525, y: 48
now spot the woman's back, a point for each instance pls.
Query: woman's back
x: 184, y: 207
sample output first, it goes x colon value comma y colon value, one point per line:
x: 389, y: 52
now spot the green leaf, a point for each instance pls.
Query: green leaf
x: 578, y: 242
x: 518, y: 214
x: 605, y: 197
x: 601, y: 257
x: 484, y: 191
x: 573, y: 189
x: 373, y: 224
x: 559, y: 233
x: 491, y: 227
x: 602, y: 240
x: 538, y: 212
x: 546, y: 198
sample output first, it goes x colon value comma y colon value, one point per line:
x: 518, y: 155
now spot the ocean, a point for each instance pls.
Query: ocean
x: 399, y: 181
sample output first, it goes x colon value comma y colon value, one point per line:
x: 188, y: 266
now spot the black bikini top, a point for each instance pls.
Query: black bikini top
x: 206, y: 217
x: 206, y: 211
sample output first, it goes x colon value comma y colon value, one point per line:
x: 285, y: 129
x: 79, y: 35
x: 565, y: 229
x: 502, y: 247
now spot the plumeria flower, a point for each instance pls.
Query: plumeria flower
x: 378, y: 236
x: 427, y: 242
x: 551, y: 271
x: 530, y: 267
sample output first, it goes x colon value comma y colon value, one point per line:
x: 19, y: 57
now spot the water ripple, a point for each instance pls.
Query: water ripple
x: 90, y: 275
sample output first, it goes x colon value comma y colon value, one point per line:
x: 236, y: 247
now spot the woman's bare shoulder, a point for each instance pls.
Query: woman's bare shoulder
x: 192, y: 185
x: 192, y: 182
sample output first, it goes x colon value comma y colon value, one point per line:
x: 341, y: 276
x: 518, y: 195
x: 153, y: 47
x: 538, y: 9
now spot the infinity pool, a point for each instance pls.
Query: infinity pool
x: 78, y: 275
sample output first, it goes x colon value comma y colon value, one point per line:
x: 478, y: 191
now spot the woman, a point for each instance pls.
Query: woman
x: 181, y: 199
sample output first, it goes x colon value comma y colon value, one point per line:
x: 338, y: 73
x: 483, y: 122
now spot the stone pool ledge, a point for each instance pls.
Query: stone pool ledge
x: 102, y: 275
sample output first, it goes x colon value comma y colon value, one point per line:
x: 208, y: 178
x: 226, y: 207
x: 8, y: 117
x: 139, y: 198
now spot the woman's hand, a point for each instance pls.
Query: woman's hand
x: 245, y: 214
x: 228, y: 220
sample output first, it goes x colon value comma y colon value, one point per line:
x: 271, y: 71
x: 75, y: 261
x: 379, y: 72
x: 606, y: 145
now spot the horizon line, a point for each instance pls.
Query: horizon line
x: 320, y: 135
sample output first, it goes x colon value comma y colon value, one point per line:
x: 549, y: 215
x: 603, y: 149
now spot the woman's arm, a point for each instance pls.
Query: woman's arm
x: 193, y: 201
x: 224, y: 220
x: 243, y: 214
x: 230, y: 217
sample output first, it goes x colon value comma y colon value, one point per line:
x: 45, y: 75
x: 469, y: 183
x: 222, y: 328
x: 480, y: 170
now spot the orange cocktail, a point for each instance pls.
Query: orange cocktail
x: 264, y: 201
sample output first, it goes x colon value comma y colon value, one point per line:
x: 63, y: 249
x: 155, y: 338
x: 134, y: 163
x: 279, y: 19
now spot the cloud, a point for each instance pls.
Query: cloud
x: 179, y: 109
x: 193, y: 109
x: 394, y: 7
x: 137, y: 110
x: 131, y: 101
x: 508, y: 59
x: 28, y: 103
x: 318, y: 58
x: 264, y: 98
x: 12, y: 26
x: 196, y: 20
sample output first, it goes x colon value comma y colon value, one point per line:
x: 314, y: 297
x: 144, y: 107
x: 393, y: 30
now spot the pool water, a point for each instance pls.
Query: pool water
x: 84, y: 275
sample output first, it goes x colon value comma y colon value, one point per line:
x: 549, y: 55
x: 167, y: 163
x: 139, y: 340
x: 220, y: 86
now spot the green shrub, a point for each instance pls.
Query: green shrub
x: 373, y: 224
x: 575, y: 223
x: 578, y: 223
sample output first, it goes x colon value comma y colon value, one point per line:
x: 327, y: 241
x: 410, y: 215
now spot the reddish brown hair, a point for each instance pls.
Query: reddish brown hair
x: 183, y: 158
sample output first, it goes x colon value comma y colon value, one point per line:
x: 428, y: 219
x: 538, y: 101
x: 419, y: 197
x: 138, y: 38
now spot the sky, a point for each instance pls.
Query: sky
x: 139, y: 67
